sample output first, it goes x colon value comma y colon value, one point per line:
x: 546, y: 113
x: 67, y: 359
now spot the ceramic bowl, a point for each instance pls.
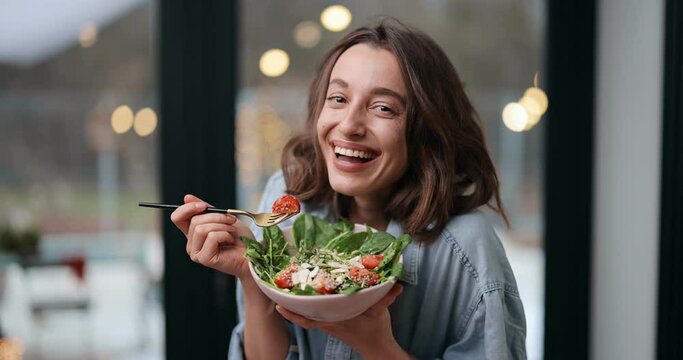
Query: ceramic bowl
x: 335, y: 307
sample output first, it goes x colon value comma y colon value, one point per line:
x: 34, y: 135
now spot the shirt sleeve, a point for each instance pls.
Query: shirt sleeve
x: 496, y: 329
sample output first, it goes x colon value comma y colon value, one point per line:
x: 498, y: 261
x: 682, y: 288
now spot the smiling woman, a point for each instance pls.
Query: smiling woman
x: 391, y: 141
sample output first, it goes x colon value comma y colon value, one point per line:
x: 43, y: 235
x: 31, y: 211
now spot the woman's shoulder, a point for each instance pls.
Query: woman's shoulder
x: 474, y: 240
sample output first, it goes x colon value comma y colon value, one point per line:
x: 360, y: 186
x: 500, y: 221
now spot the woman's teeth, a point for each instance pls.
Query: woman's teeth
x: 353, y: 153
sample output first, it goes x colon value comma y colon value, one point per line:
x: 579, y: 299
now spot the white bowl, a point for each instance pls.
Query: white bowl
x: 335, y: 307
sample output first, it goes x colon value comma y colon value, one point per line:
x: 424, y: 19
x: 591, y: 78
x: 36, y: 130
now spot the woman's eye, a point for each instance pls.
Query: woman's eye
x: 337, y: 99
x: 385, y: 109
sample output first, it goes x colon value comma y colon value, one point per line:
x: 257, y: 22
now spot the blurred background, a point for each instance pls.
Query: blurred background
x: 82, y: 267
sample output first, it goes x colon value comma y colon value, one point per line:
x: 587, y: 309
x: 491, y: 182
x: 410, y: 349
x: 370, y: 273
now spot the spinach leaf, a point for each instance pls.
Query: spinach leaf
x: 343, y: 226
x: 350, y: 243
x: 394, y: 251
x: 335, y: 242
x: 377, y: 243
x: 324, y: 231
x: 397, y: 269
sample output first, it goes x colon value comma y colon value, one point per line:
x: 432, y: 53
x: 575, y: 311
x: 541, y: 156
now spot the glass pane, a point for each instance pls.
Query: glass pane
x: 497, y: 48
x: 81, y: 264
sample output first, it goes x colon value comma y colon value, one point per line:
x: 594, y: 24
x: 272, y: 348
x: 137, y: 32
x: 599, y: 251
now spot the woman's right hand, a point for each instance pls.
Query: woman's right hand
x: 213, y: 239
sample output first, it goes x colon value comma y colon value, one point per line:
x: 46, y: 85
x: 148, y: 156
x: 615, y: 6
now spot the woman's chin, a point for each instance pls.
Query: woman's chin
x: 347, y: 188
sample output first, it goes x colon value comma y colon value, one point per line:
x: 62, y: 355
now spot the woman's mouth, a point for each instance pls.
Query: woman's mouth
x: 353, y: 156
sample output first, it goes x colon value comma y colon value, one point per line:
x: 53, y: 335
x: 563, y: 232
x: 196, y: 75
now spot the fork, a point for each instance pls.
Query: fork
x: 260, y: 219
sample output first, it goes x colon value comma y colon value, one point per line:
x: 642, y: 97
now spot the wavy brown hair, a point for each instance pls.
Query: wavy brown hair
x: 449, y: 169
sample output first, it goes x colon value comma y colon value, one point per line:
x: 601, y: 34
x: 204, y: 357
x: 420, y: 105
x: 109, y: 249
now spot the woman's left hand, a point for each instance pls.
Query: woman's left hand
x: 368, y: 333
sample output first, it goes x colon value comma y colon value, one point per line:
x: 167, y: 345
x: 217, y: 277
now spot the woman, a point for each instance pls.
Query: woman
x: 392, y: 141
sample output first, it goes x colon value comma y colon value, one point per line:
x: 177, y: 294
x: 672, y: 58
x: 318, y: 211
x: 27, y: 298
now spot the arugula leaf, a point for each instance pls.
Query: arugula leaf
x: 352, y: 288
x: 304, y: 233
x: 308, y: 290
x: 276, y: 248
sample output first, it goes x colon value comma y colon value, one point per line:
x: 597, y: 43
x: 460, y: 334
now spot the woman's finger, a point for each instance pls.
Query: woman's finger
x: 207, y: 219
x: 387, y: 300
x: 189, y: 198
x: 182, y: 216
x: 304, y: 322
x: 208, y: 254
x: 201, y: 233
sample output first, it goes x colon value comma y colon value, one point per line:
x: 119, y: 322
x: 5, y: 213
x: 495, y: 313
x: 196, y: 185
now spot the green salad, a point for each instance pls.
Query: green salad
x: 325, y: 258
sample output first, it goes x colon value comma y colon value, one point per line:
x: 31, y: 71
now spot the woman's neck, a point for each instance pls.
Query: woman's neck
x: 366, y: 211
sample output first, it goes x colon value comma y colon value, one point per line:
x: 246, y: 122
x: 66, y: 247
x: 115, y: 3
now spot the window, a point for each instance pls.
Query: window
x: 81, y: 263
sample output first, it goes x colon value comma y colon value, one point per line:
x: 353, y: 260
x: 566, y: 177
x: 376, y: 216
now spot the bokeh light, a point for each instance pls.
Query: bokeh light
x: 538, y: 96
x: 335, y: 18
x: 515, y: 117
x: 122, y: 119
x: 533, y: 110
x: 274, y: 62
x: 145, y: 122
x: 88, y: 35
x: 307, y: 34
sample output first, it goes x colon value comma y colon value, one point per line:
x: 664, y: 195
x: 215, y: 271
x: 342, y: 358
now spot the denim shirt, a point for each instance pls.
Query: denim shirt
x: 459, y: 301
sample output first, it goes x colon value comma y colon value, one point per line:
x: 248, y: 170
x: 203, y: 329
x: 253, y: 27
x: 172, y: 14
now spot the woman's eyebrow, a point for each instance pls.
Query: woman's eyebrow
x: 389, y: 92
x: 339, y: 82
x: 375, y: 91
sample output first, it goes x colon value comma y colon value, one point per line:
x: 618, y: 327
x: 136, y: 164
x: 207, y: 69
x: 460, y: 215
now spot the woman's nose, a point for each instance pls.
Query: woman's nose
x: 353, y: 122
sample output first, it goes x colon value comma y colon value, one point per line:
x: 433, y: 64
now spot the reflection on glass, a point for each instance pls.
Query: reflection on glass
x: 80, y: 264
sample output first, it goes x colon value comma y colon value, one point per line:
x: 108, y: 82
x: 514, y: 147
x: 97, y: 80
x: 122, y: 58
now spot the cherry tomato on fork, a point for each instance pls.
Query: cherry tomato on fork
x: 286, y: 204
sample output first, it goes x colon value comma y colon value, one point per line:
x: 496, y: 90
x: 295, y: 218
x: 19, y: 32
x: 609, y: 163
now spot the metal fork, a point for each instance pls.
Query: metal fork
x: 260, y: 219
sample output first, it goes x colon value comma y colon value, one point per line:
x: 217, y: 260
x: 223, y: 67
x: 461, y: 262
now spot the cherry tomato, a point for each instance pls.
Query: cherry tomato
x: 323, y: 283
x: 284, y: 278
x: 363, y: 276
x: 286, y: 204
x: 371, y: 261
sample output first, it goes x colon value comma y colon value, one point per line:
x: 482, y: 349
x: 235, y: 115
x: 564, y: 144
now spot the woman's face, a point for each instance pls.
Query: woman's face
x: 361, y: 128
